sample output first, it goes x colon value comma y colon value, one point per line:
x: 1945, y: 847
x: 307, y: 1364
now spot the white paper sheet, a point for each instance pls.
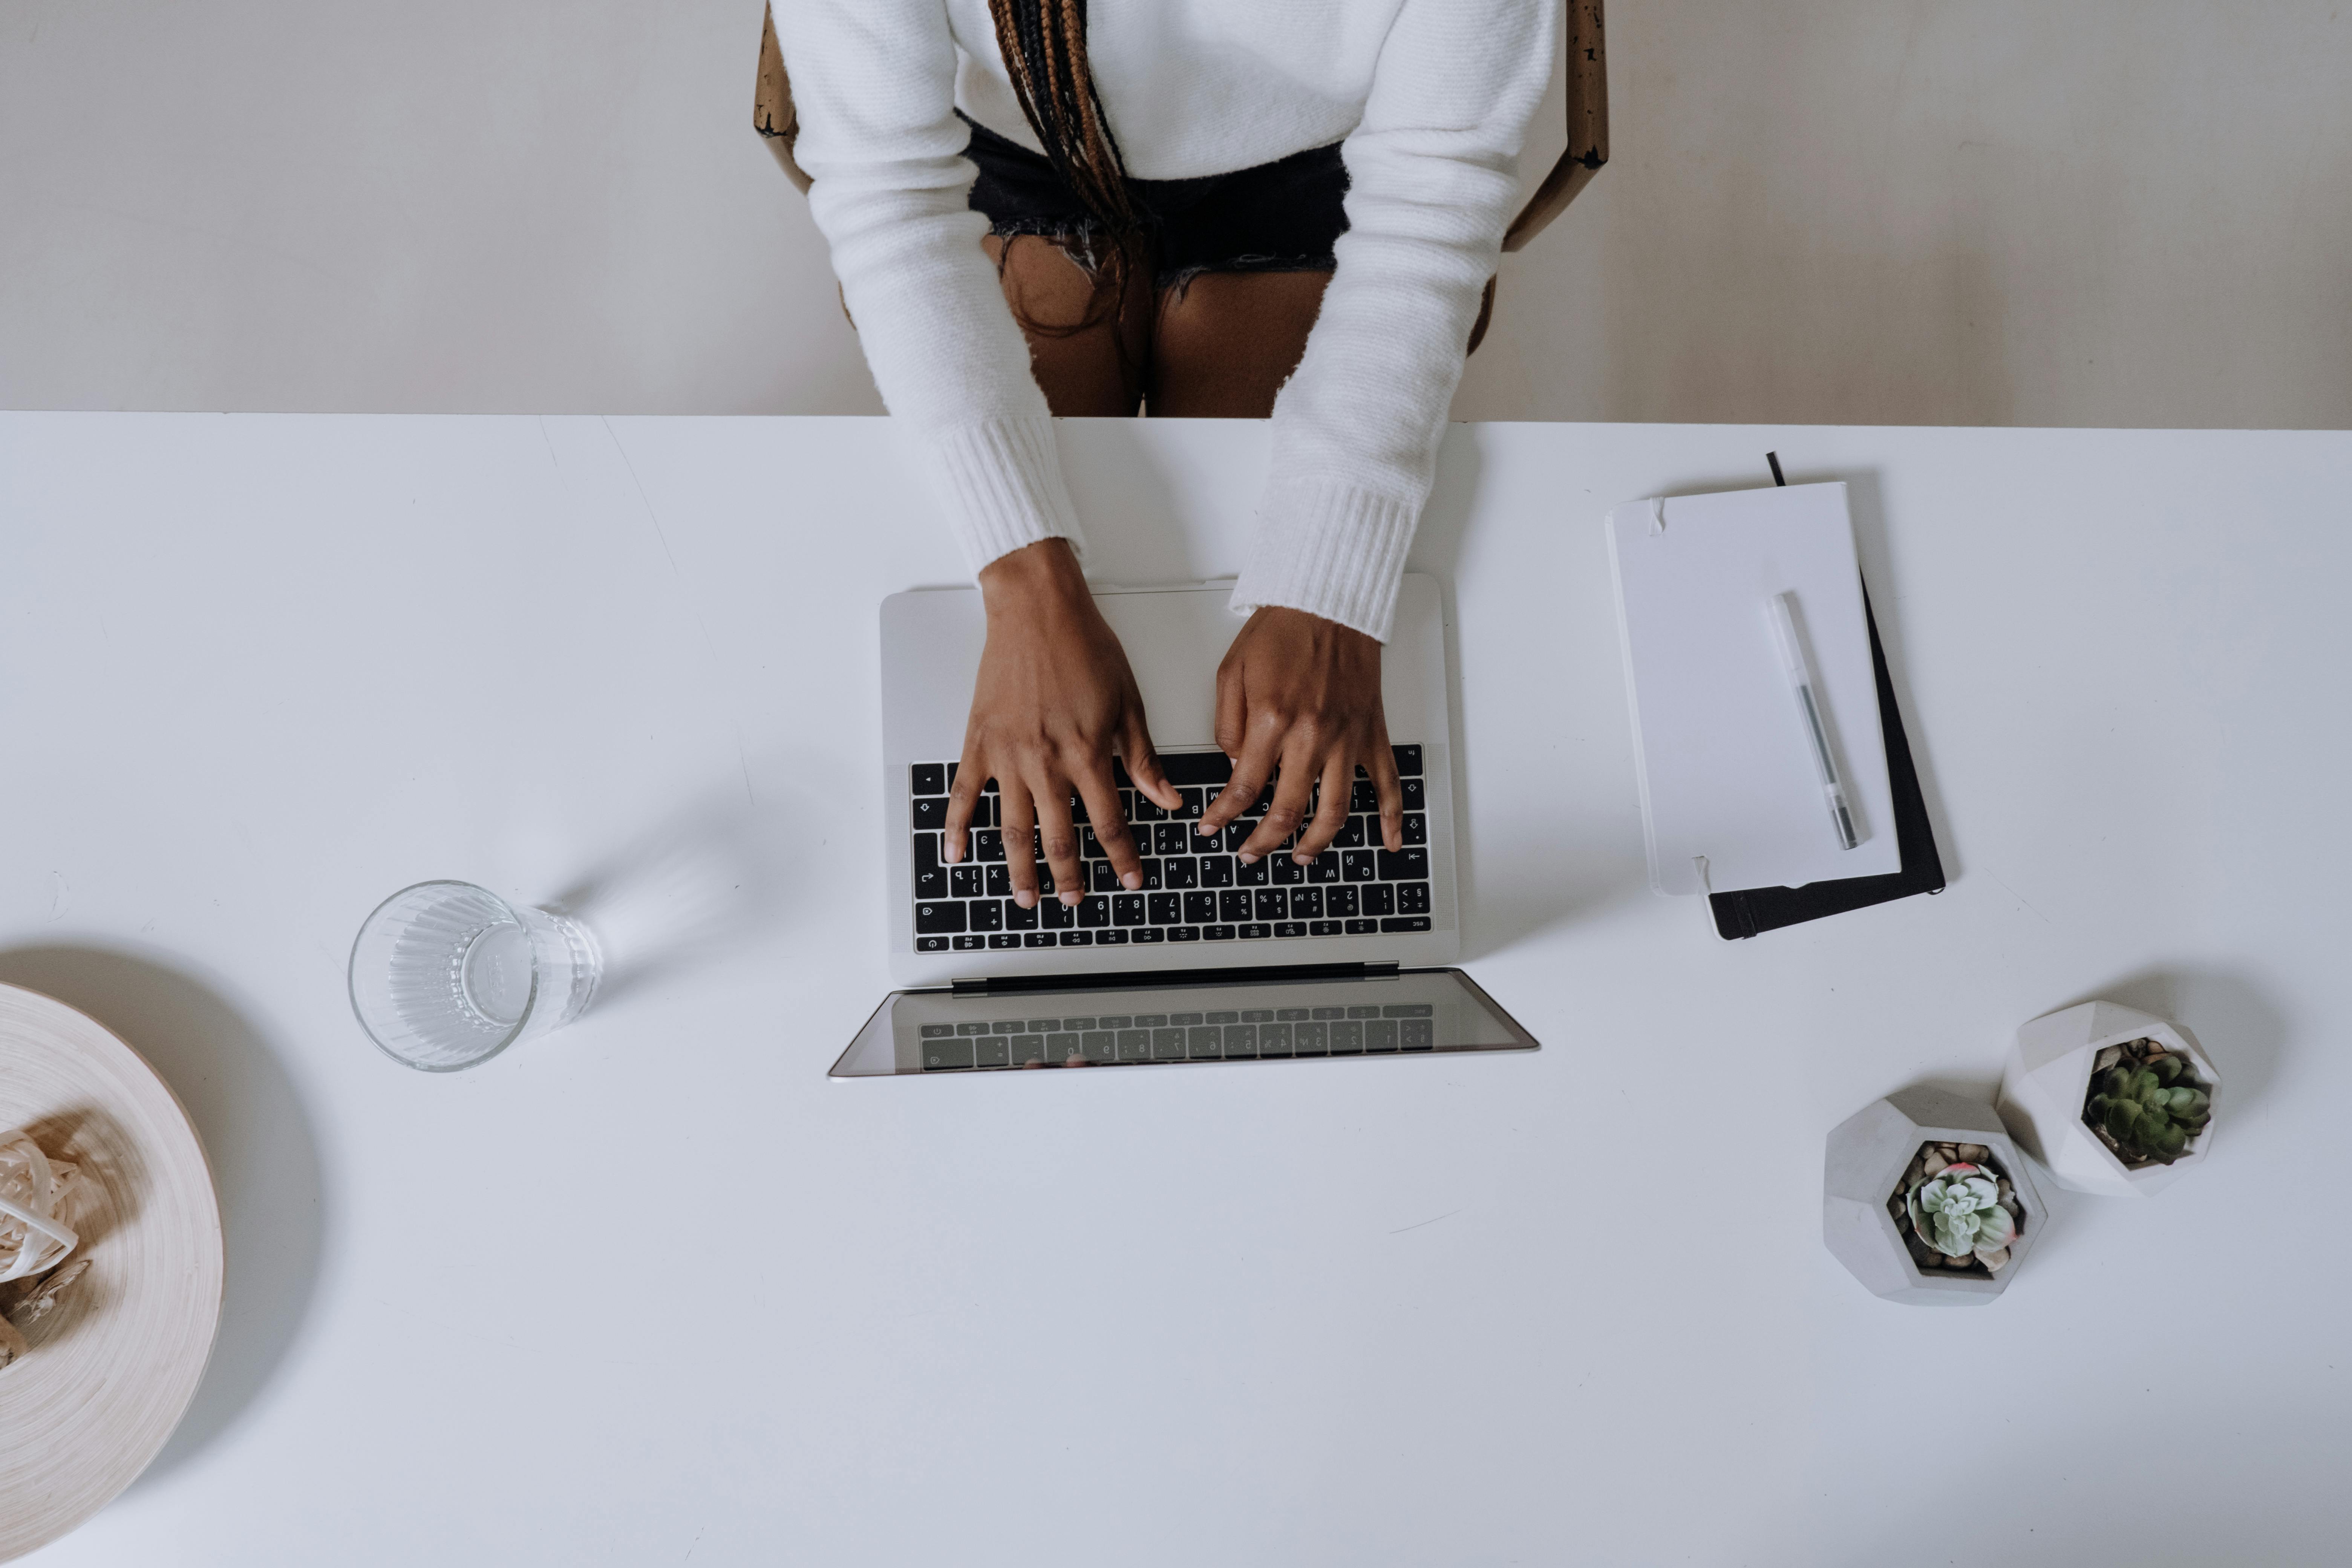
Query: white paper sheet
x: 1730, y: 795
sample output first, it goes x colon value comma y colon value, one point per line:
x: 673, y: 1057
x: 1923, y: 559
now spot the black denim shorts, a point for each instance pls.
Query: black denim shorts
x: 1283, y: 216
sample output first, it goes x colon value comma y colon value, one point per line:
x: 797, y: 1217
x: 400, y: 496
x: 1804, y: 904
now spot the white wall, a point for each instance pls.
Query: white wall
x: 2103, y: 212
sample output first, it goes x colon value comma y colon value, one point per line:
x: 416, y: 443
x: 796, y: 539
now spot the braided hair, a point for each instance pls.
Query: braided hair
x: 1044, y: 43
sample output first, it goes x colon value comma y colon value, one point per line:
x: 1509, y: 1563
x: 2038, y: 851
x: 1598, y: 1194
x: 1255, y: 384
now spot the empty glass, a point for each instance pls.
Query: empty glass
x: 447, y: 974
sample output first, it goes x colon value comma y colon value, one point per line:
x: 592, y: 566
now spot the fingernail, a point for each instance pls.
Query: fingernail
x: 1131, y: 881
x: 953, y: 855
x: 1072, y: 901
x: 1247, y: 858
x: 1204, y: 831
x: 1301, y: 859
x: 1025, y: 898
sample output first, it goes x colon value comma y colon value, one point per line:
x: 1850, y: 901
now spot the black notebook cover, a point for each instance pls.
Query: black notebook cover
x: 1755, y: 909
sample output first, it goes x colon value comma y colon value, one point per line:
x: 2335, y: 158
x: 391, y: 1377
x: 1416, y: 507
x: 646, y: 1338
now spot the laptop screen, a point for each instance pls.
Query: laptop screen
x: 1414, y: 1013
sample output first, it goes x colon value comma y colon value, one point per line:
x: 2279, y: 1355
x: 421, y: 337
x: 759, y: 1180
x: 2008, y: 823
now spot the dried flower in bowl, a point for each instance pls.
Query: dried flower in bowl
x: 32, y: 1193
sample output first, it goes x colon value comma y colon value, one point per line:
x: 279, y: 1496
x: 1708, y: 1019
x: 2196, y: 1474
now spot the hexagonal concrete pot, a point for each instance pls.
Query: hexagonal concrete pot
x: 2049, y: 1072
x: 1866, y: 1156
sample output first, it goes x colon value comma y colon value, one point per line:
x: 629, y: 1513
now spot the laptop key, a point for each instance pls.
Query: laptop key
x: 940, y: 918
x: 1354, y: 832
x: 1078, y: 939
x: 1408, y: 761
x: 1206, y: 1042
x: 986, y: 914
x: 1415, y: 1034
x: 1167, y: 909
x: 930, y: 944
x: 1146, y: 810
x: 1194, y: 801
x: 1167, y: 1045
x: 1170, y: 838
x: 1234, y: 906
x: 1405, y: 922
x: 964, y: 882
x: 1114, y: 937
x: 1185, y: 872
x: 1379, y: 898
x: 1038, y: 939
x: 1004, y: 939
x: 1257, y: 874
x: 1146, y: 935
x: 1065, y: 1047
x: 1416, y: 828
x: 1288, y: 873
x: 1000, y: 881
x: 945, y: 1056
x: 1307, y: 903
x: 1240, y: 1040
x: 1359, y: 865
x: 1199, y: 908
x: 1273, y: 904
x: 1217, y: 933
x: 931, y: 884
x: 1403, y: 865
x: 988, y: 844
x: 1413, y: 899
x: 931, y: 813
x: 1183, y: 934
x: 1381, y: 1035
x: 1323, y: 928
x: 1257, y: 932
x: 1135, y: 1045
x: 1093, y: 909
x: 1237, y: 832
x: 1415, y: 797
x: 968, y: 944
x: 930, y: 778
x: 1274, y: 1039
x: 1363, y: 928
x: 1364, y: 796
x: 1290, y: 928
x: 1324, y: 868
x: 1216, y: 871
x: 1101, y: 1045
x: 1347, y: 1039
x: 1185, y: 768
x: 1339, y: 903
x: 1125, y: 909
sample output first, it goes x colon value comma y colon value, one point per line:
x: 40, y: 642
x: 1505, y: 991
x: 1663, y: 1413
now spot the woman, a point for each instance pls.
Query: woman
x: 1206, y: 206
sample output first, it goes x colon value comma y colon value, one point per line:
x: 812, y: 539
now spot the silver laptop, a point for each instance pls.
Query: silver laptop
x: 1192, y: 967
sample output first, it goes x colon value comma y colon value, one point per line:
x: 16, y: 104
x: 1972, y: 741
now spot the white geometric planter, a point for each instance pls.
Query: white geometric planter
x: 1867, y: 1155
x: 2049, y: 1072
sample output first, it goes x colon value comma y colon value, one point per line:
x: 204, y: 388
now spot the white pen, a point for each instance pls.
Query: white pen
x: 1803, y: 687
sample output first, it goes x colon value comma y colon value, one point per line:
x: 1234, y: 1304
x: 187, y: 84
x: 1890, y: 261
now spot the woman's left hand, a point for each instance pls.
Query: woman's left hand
x: 1301, y: 693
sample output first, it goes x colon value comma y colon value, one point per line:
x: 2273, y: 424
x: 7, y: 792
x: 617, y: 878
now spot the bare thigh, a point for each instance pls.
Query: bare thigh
x: 1096, y: 368
x: 1224, y: 343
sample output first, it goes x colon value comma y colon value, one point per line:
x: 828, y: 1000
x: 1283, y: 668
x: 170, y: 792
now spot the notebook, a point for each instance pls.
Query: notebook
x: 1730, y: 797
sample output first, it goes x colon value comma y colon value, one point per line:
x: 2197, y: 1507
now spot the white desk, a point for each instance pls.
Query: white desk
x: 700, y: 1305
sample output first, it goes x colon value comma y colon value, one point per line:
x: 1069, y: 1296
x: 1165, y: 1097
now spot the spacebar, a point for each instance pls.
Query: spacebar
x: 1196, y: 767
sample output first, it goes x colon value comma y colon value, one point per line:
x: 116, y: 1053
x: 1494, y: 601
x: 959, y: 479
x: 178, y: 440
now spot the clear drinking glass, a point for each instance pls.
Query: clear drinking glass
x: 447, y: 974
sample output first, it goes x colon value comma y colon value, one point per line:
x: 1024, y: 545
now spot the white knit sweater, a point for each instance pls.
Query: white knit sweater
x: 1429, y: 101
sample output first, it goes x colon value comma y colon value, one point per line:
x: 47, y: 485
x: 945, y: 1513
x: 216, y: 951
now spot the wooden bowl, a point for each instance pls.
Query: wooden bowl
x: 112, y: 1368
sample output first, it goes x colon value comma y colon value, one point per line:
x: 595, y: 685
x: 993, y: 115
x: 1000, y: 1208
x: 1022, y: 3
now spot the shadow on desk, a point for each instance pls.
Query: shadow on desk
x: 256, y: 1136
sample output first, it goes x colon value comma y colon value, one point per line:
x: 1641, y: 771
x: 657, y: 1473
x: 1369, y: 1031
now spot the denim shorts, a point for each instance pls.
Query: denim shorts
x: 1283, y: 216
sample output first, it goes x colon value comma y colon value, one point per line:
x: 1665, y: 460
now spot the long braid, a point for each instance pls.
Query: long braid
x: 1044, y: 43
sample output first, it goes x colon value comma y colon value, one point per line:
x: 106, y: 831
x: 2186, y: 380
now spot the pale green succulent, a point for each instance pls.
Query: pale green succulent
x: 1958, y: 1211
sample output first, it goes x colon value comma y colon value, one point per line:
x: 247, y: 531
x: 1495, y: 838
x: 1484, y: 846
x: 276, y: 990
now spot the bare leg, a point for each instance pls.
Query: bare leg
x: 1097, y: 369
x: 1224, y: 345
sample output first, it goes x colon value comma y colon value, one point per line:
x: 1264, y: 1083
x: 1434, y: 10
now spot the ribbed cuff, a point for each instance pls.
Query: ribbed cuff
x: 1332, y: 549
x: 1000, y: 481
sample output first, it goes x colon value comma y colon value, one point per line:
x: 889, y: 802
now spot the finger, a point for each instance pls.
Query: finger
x: 1249, y: 775
x: 1060, y: 838
x: 1142, y: 758
x: 1232, y: 709
x: 1017, y: 819
x: 1331, y: 814
x: 962, y: 800
x: 1100, y: 791
x: 1382, y: 765
x: 1293, y: 788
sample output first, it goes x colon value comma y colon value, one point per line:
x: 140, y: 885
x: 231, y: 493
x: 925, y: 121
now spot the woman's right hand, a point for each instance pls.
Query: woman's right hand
x: 1055, y: 699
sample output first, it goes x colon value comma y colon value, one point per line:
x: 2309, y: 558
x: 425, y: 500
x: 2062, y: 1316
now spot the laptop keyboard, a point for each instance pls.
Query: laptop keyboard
x: 1244, y: 1034
x: 1195, y: 889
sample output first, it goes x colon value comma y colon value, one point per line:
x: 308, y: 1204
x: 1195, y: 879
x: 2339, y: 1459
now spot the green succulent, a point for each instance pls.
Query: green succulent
x: 2150, y: 1106
x: 1958, y: 1211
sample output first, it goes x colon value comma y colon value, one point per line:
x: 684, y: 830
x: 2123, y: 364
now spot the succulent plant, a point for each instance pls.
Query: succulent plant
x: 2147, y: 1103
x: 1958, y: 1212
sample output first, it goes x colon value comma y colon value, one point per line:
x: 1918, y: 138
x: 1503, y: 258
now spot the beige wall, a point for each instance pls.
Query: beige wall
x: 2100, y: 211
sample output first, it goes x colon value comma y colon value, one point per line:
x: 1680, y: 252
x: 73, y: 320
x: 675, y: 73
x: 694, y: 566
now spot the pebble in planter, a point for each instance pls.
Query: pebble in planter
x: 2065, y: 1061
x: 1885, y: 1160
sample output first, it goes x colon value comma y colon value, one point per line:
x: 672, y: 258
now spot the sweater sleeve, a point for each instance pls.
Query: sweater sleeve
x: 873, y: 85
x: 1433, y: 173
